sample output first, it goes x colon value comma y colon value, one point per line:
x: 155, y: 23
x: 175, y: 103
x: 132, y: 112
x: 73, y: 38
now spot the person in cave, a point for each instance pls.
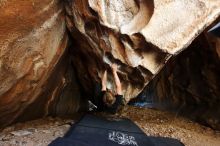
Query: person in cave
x: 106, y: 100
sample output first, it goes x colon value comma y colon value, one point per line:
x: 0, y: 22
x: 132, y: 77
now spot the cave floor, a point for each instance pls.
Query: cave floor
x: 155, y: 123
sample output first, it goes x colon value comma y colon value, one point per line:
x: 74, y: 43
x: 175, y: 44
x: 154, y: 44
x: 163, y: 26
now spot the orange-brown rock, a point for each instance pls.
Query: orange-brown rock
x: 139, y: 35
x: 32, y: 41
x: 36, y: 77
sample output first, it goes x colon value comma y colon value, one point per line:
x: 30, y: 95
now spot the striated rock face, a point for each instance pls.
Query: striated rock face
x: 37, y: 77
x: 139, y: 35
x: 32, y: 40
x: 189, y: 84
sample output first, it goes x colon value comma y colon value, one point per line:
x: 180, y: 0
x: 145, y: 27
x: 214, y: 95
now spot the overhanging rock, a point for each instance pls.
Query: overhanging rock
x: 139, y: 35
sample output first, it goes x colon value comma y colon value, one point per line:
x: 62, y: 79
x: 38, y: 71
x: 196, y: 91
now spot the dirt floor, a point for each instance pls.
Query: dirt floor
x: 155, y: 123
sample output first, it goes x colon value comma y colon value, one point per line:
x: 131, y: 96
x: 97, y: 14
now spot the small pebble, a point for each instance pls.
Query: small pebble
x: 46, y: 131
x: 6, y: 138
x: 56, y: 133
x: 21, y: 133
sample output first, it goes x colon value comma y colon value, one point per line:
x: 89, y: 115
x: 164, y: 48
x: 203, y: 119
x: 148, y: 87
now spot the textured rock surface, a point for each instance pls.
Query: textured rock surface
x: 140, y: 36
x: 190, y: 83
x: 32, y: 40
x: 36, y: 74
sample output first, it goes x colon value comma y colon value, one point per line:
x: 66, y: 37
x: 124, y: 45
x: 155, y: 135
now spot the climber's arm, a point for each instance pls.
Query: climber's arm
x: 104, y: 81
x: 117, y: 80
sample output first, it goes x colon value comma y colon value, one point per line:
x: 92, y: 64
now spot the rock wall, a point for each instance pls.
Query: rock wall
x: 37, y: 74
x: 32, y: 40
x: 139, y: 35
x: 189, y: 83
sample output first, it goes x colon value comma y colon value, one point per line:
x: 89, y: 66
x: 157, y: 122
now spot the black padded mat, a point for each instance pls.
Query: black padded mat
x: 96, y: 131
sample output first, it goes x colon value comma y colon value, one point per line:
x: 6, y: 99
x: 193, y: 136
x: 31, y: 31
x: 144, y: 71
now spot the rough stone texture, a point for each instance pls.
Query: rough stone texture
x: 218, y: 46
x: 139, y: 35
x: 189, y: 84
x: 32, y: 40
x: 37, y: 77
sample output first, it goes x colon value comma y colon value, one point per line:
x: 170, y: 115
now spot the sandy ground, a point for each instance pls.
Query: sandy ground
x: 154, y: 123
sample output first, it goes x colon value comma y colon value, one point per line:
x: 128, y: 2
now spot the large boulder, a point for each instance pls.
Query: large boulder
x: 32, y: 40
x: 189, y: 84
x: 139, y: 35
x: 36, y: 73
